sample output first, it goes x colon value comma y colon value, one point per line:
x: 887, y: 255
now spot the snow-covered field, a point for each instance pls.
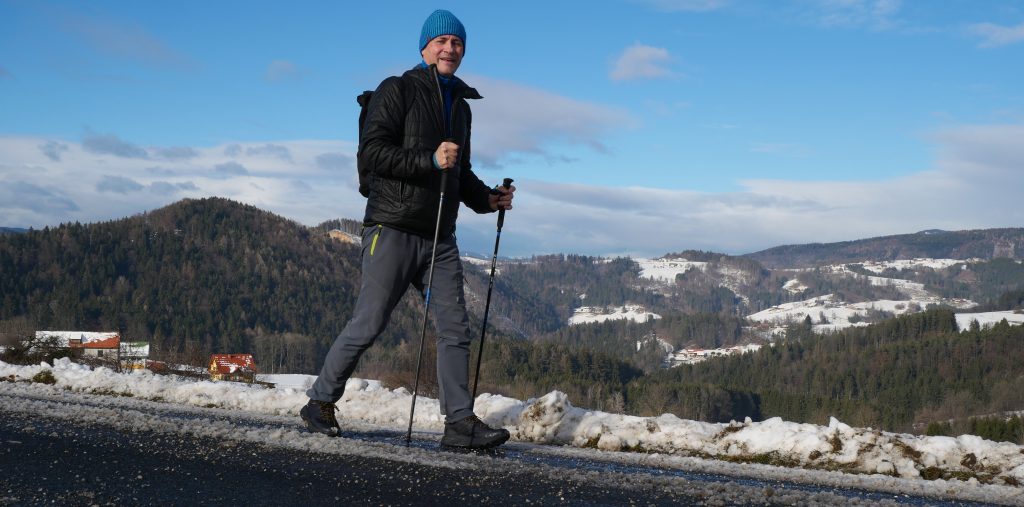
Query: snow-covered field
x: 988, y: 319
x: 665, y: 270
x: 839, y: 315
x: 476, y: 261
x: 912, y: 290
x: 288, y: 381
x: 694, y: 356
x: 903, y: 264
x: 829, y: 314
x: 591, y: 314
x: 867, y: 457
x: 794, y: 286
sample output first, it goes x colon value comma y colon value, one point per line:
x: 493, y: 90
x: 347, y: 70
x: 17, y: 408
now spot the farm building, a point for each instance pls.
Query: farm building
x: 95, y: 345
x: 233, y: 367
x: 81, y: 343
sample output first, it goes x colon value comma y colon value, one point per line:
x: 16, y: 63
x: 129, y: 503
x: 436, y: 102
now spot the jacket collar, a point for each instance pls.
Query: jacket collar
x: 459, y: 87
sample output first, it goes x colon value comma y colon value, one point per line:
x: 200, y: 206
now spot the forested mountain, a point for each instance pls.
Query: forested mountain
x: 212, y: 275
x: 982, y: 244
x: 196, y: 277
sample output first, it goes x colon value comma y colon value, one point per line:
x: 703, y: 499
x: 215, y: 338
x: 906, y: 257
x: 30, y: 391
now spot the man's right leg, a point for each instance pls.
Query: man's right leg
x: 388, y: 265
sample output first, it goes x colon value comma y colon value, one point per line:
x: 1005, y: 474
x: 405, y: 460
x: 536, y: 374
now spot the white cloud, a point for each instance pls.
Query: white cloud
x: 170, y: 189
x: 993, y: 35
x: 641, y: 62
x: 118, y: 184
x: 874, y: 14
x: 269, y: 149
x: 229, y: 169
x: 124, y: 39
x: 973, y: 183
x: 20, y: 200
x: 280, y: 70
x: 514, y: 119
x: 53, y: 149
x: 336, y: 162
x: 110, y: 144
x: 175, y: 153
x: 87, y: 184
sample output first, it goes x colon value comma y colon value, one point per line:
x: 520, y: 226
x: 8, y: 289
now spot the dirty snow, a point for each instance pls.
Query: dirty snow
x: 862, y: 454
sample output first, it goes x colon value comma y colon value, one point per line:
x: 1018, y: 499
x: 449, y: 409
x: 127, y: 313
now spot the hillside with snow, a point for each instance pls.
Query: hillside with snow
x: 664, y: 272
x: 830, y: 313
x: 590, y: 314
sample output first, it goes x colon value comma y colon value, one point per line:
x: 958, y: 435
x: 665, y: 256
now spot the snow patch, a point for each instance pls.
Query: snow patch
x: 694, y: 356
x: 989, y: 319
x: 552, y: 419
x: 592, y: 314
x: 905, y: 264
x: 665, y: 270
x: 828, y: 314
x: 794, y: 286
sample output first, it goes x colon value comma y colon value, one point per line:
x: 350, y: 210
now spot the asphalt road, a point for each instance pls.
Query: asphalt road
x: 74, y: 449
x: 46, y: 462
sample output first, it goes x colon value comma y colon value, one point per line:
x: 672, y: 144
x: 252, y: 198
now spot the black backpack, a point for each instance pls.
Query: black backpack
x: 364, y: 103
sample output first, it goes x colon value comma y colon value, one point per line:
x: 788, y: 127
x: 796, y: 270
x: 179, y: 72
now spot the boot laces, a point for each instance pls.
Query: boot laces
x: 327, y: 413
x: 475, y: 424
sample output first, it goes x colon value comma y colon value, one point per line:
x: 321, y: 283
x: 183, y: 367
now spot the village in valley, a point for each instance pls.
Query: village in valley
x: 108, y: 349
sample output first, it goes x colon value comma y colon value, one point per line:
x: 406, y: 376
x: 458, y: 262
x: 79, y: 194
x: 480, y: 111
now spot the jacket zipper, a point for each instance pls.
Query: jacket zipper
x: 446, y: 130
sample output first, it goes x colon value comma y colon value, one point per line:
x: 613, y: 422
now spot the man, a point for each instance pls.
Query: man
x: 416, y: 128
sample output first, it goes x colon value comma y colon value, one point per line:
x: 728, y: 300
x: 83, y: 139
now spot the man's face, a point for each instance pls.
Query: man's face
x: 446, y: 52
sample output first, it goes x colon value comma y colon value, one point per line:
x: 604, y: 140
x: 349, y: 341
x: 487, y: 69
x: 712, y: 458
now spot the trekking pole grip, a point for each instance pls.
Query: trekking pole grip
x: 507, y: 183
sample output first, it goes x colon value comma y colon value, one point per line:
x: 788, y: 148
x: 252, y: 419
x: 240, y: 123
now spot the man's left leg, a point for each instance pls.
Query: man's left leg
x: 448, y: 302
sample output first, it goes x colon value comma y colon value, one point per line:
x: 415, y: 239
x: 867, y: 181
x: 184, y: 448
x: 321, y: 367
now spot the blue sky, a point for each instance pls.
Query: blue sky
x: 632, y: 127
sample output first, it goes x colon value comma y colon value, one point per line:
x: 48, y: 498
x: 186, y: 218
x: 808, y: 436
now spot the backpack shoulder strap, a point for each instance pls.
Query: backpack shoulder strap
x: 363, y: 99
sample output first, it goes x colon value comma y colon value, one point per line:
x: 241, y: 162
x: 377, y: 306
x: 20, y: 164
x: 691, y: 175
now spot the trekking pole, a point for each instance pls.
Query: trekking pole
x: 430, y: 274
x: 426, y: 308
x: 490, y: 286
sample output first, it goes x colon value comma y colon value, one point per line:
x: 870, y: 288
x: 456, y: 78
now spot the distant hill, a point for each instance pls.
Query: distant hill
x: 12, y: 230
x: 195, y: 277
x: 982, y: 244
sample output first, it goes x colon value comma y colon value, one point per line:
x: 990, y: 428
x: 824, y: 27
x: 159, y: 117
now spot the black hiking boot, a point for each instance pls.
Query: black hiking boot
x: 472, y: 433
x: 319, y: 418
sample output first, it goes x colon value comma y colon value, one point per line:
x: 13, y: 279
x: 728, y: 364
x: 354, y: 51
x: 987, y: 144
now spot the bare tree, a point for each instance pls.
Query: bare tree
x: 22, y: 345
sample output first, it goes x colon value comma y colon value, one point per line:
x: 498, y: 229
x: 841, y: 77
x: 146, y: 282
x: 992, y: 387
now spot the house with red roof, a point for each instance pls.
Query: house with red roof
x: 82, y: 343
x: 233, y: 367
x: 103, y: 346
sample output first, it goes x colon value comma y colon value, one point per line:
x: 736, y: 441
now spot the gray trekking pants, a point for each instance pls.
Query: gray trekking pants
x: 391, y: 260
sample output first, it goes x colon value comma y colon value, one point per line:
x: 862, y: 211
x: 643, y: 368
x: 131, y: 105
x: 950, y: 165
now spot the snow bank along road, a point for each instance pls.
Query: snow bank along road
x: 84, y: 449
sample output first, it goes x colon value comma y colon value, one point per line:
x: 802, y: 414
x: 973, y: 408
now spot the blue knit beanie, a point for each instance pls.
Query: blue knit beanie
x: 441, y: 22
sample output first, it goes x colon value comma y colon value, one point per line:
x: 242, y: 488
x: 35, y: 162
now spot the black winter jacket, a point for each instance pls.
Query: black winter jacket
x: 396, y: 149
